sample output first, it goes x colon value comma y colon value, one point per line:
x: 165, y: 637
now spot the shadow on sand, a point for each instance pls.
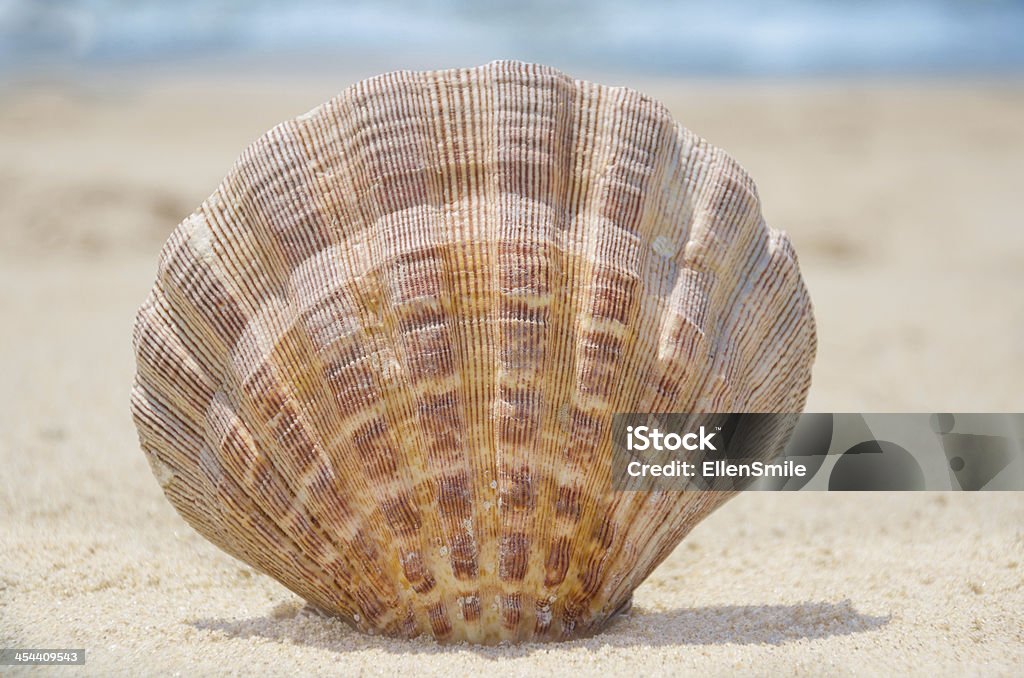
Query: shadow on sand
x: 716, y: 625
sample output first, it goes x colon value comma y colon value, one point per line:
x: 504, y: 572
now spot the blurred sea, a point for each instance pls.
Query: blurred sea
x: 723, y: 37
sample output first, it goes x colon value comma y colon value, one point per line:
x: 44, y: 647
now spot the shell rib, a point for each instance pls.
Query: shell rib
x: 380, y: 362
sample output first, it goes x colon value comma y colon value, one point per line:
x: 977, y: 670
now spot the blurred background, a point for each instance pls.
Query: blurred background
x: 727, y: 37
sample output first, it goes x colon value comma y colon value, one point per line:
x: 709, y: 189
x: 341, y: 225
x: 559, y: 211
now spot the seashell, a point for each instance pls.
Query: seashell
x: 380, y: 362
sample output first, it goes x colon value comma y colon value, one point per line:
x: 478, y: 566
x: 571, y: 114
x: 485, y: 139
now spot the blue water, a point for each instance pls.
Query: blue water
x: 723, y: 37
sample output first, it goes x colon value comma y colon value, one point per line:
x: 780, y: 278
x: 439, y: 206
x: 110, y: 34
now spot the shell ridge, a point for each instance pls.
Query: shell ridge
x: 625, y: 508
x: 306, y: 555
x: 612, y: 295
x: 275, y: 412
x: 654, y: 133
x: 396, y: 511
x: 440, y: 370
x: 148, y: 409
x: 566, y: 139
x: 366, y: 517
x: 295, y: 185
x: 420, y: 563
x: 530, y: 264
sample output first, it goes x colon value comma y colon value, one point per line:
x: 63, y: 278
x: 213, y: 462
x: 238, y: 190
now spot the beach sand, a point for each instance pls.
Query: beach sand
x: 903, y: 204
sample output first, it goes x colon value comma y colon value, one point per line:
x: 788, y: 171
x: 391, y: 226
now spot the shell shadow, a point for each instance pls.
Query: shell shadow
x: 711, y: 625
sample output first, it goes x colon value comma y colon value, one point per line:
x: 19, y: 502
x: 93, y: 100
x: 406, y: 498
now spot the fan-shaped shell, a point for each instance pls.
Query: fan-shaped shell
x: 380, y: 362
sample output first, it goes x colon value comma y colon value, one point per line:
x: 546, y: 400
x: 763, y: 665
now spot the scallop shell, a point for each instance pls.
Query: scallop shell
x: 380, y: 362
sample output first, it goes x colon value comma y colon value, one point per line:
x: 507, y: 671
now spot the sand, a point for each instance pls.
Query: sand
x: 903, y: 203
